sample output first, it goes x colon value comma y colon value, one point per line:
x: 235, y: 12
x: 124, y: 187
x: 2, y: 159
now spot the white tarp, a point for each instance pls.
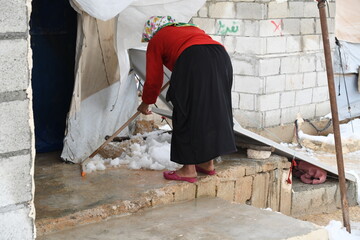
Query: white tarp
x: 105, y: 95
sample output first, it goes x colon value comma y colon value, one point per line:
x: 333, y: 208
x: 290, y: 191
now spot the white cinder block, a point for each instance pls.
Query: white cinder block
x: 268, y: 102
x: 203, y: 11
x: 13, y: 16
x: 287, y: 99
x: 14, y: 126
x: 322, y: 79
x: 244, y: 66
x: 293, y: 44
x: 289, y: 64
x: 311, y: 9
x: 250, y: 45
x: 291, y: 26
x: 235, y: 100
x: 222, y: 10
x: 17, y: 225
x: 227, y: 27
x: 206, y: 24
x: 250, y: 28
x: 253, y: 10
x: 13, y: 65
x: 229, y: 44
x: 252, y: 119
x: 308, y: 111
x: 269, y: 66
x: 275, y: 45
x: 320, y: 62
x: 293, y: 81
x: 322, y: 109
x: 320, y: 94
x: 296, y: 9
x: 309, y: 79
x: 303, y: 97
x: 288, y: 115
x: 278, y: 9
x: 249, y: 84
x: 247, y: 101
x: 311, y: 42
x: 307, y: 26
x: 275, y: 84
x: 307, y: 63
x: 270, y: 28
x: 272, y: 118
x: 16, y: 180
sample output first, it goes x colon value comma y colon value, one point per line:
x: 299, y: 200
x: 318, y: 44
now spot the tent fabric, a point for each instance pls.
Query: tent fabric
x: 347, y: 20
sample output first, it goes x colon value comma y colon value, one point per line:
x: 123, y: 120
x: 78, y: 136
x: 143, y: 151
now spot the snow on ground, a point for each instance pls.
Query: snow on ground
x: 337, y: 232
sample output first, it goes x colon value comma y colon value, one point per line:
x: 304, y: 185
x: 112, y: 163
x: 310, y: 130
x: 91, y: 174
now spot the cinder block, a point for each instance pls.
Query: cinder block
x: 235, y: 99
x: 270, y: 28
x: 307, y: 63
x: 185, y: 192
x: 269, y: 66
x: 278, y: 9
x: 260, y: 190
x: 320, y: 94
x: 253, y: 10
x: 14, y: 126
x: 203, y: 11
x: 322, y: 109
x: 291, y: 26
x: 206, y: 24
x: 303, y: 97
x: 13, y: 16
x: 250, y: 28
x: 206, y: 187
x: 13, y: 65
x: 311, y: 9
x: 311, y: 42
x: 285, y: 194
x: 229, y: 43
x: 289, y: 64
x: 293, y: 44
x: 320, y: 62
x: 249, y: 118
x: 222, y: 10
x: 293, y: 81
x: 244, y: 66
x: 268, y: 102
x: 287, y: 99
x: 307, y: 26
x: 272, y: 118
x: 275, y: 84
x: 249, y: 84
x: 274, y: 189
x: 225, y: 190
x: 243, y: 189
x: 250, y: 45
x: 247, y: 101
x: 288, y: 115
x: 16, y: 181
x: 296, y: 9
x: 322, y: 79
x: 308, y: 111
x: 309, y: 79
x: 228, y: 27
x: 17, y: 225
x: 275, y: 45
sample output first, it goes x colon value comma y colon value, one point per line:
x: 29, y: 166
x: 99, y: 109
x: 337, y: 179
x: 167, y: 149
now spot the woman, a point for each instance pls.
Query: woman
x: 200, y: 91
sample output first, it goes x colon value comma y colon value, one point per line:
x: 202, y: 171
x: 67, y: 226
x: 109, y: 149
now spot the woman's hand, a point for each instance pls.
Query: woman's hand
x: 144, y: 108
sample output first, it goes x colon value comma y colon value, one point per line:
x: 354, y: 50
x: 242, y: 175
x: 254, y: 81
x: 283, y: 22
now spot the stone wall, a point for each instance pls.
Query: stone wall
x: 16, y: 125
x: 277, y: 56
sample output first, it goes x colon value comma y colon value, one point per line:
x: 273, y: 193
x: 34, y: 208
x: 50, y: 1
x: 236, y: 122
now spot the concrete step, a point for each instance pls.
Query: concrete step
x: 202, y: 218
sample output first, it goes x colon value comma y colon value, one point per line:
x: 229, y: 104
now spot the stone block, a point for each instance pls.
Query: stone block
x: 206, y: 187
x: 322, y: 79
x: 307, y: 26
x: 291, y: 26
x: 13, y: 65
x: 13, y: 17
x: 161, y: 197
x: 16, y: 181
x: 308, y: 111
x: 203, y: 11
x: 247, y: 101
x: 17, y: 225
x: 251, y: 10
x: 14, y: 126
x: 268, y: 102
x: 269, y: 66
x: 235, y: 99
x: 249, y: 84
x: 296, y: 9
x: 222, y: 10
x: 250, y: 28
x: 225, y: 190
x: 232, y: 173
x: 274, y: 190
x: 307, y: 63
x: 250, y: 45
x: 303, y: 97
x: 320, y: 62
x: 275, y: 84
x: 311, y: 42
x: 185, y: 192
x: 293, y: 81
x: 228, y: 27
x: 309, y: 79
x: 278, y: 9
x: 320, y: 94
x: 206, y: 24
x: 288, y: 115
x: 293, y: 44
x: 285, y: 193
x: 272, y: 118
x: 260, y: 190
x: 289, y: 64
x: 287, y: 99
x: 322, y: 109
x: 249, y: 118
x: 243, y: 189
x: 270, y: 28
x: 311, y: 9
x: 244, y: 66
x: 275, y: 45
x: 229, y: 44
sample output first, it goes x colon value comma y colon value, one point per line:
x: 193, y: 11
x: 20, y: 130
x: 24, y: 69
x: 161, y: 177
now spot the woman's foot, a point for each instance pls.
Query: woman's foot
x: 186, y: 173
x: 206, y: 168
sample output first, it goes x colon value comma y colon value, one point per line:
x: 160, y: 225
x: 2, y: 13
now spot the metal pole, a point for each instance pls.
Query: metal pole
x: 334, y: 112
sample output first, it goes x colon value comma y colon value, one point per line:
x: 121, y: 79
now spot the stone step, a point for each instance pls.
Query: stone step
x: 202, y: 218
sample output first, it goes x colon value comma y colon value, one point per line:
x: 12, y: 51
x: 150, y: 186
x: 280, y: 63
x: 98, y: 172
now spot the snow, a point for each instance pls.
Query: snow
x: 337, y: 232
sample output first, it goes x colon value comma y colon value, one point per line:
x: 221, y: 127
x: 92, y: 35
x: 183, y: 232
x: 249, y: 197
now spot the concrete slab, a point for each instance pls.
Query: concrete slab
x: 203, y: 218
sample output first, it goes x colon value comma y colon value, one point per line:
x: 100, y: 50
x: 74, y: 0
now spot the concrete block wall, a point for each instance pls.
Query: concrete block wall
x: 16, y: 125
x: 277, y: 55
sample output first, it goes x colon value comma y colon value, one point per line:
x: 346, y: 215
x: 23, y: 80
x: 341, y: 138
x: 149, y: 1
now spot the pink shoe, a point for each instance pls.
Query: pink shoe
x: 171, y: 175
x: 201, y: 170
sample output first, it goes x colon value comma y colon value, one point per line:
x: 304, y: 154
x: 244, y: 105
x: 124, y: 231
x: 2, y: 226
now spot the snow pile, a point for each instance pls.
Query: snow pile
x: 338, y: 232
x: 151, y: 153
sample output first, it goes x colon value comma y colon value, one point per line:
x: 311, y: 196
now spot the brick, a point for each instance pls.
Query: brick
x: 296, y: 9
x: 303, y: 97
x: 288, y: 115
x: 268, y: 102
x: 206, y: 187
x: 307, y: 26
x: 14, y: 65
x: 225, y: 190
x: 250, y: 45
x: 285, y: 194
x: 260, y: 190
x: 275, y: 45
x: 307, y: 63
x: 311, y: 42
x: 293, y: 81
x: 311, y: 9
x: 185, y: 192
x: 249, y: 84
x: 250, y: 28
x: 249, y: 118
x: 322, y: 109
x: 17, y: 224
x: 291, y: 26
x: 293, y: 44
x: 251, y: 10
x: 13, y: 16
x: 243, y: 189
x: 308, y: 111
x: 269, y: 66
x: 222, y: 10
x: 228, y: 27
x: 247, y: 101
x: 275, y: 84
x: 289, y: 64
x: 206, y: 24
x: 287, y: 99
x: 309, y: 79
x: 270, y: 28
x: 14, y: 126
x: 244, y: 66
x: 320, y: 94
x: 272, y: 118
x: 322, y: 79
x: 278, y: 10
x: 235, y: 99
